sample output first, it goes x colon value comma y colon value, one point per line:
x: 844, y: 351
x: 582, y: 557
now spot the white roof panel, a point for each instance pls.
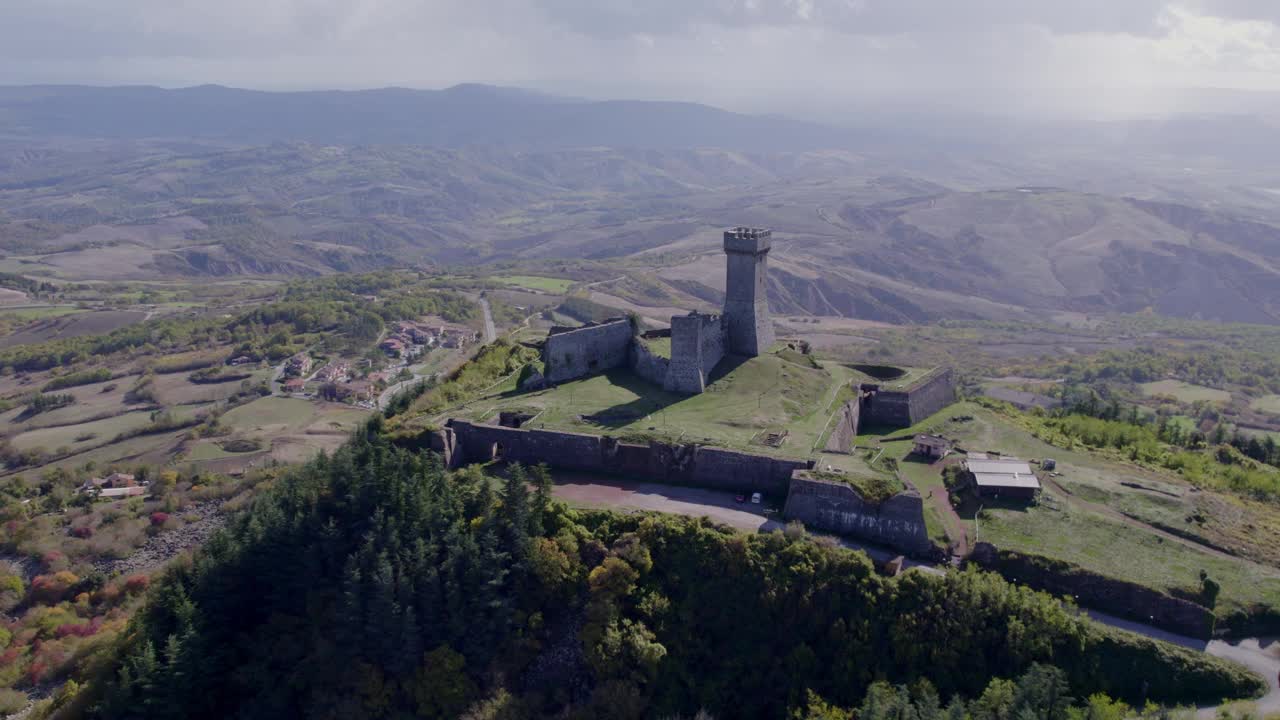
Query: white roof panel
x: 1006, y: 480
x: 1003, y: 467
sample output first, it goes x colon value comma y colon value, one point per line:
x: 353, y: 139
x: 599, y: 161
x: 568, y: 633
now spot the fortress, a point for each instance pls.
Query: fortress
x: 699, y: 341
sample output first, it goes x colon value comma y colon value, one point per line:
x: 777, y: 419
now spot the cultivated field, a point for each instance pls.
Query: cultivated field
x: 1185, y: 392
x: 1269, y: 404
x: 535, y: 282
x: 96, y: 322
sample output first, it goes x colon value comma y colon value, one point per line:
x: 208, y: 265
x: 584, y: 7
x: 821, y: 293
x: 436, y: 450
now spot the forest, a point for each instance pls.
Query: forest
x: 373, y: 583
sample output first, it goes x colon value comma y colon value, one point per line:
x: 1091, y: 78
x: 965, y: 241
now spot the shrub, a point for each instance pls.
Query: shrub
x: 158, y: 519
x: 84, y: 532
x: 136, y: 584
x: 12, y: 701
x: 54, y: 561
x: 11, y: 584
x: 50, y: 589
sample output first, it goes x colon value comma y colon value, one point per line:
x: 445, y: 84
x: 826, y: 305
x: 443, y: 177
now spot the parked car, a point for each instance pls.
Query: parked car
x: 740, y: 498
x: 756, y: 498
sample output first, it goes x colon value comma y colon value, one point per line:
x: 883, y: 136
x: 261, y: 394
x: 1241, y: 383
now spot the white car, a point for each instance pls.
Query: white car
x: 756, y: 499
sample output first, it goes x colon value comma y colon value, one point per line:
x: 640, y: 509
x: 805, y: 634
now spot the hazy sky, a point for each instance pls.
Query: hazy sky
x: 756, y: 54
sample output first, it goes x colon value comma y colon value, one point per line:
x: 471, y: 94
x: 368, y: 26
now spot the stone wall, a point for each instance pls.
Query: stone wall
x: 836, y: 507
x: 590, y: 349
x: 1088, y: 589
x: 846, y: 428
x: 746, y: 306
x: 932, y: 396
x: 697, y: 346
x: 463, y: 442
x: 904, y: 408
x: 648, y: 366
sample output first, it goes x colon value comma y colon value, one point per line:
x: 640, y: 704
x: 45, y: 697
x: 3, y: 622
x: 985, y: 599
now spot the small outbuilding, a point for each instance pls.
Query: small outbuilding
x: 931, y: 446
x: 1003, y: 477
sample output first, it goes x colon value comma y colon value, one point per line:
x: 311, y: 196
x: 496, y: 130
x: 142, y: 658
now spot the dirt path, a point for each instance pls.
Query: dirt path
x: 957, y: 533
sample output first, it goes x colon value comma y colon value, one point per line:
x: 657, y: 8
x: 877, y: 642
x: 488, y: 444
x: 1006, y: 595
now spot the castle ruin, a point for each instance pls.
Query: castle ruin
x: 699, y: 341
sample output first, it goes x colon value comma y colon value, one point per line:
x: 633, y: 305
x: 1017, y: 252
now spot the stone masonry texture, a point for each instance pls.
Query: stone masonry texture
x: 587, y: 350
x: 836, y: 507
x: 746, y: 303
x: 697, y: 346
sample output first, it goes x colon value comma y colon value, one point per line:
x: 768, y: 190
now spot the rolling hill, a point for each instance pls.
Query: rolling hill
x: 213, y: 181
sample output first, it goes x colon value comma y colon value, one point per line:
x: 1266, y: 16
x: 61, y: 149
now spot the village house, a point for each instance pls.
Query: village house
x: 358, y: 391
x: 392, y: 347
x: 931, y: 446
x: 117, y: 484
x: 334, y: 372
x: 294, y: 385
x: 457, y: 336
x: 299, y: 364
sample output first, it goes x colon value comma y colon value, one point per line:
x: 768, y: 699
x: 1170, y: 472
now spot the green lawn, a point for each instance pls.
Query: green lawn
x: 1111, y: 548
x: 1185, y: 392
x: 535, y: 282
x: 267, y: 411
x: 762, y: 394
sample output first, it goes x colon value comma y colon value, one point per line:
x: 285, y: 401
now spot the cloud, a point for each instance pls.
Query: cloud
x: 861, y: 17
x: 777, y: 55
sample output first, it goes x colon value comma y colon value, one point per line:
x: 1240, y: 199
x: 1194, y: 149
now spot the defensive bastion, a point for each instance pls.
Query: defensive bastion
x: 897, y: 522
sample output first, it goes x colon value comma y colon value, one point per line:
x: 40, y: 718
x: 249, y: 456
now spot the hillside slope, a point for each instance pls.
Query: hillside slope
x: 853, y: 238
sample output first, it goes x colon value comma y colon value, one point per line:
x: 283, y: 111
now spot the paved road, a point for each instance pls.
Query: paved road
x: 490, y: 332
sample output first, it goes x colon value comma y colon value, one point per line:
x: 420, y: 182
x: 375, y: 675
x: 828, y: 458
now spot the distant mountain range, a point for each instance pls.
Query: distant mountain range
x: 135, y: 182
x: 459, y: 116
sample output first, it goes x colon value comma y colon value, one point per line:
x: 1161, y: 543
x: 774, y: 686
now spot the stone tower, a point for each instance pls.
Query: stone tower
x: 746, y: 307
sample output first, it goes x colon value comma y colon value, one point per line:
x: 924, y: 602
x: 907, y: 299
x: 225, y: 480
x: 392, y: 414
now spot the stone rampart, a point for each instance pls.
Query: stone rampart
x: 590, y: 349
x: 1099, y: 592
x: 846, y: 428
x: 697, y: 346
x: 698, y: 465
x: 932, y: 395
x: 898, y: 522
x: 904, y: 408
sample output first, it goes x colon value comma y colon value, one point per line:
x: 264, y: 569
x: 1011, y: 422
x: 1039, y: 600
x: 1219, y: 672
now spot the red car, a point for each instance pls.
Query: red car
x: 740, y: 498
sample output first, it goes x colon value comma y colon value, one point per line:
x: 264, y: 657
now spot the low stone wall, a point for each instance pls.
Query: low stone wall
x: 835, y: 507
x: 846, y: 428
x: 595, y: 348
x: 462, y: 442
x: 1098, y: 592
x: 648, y: 366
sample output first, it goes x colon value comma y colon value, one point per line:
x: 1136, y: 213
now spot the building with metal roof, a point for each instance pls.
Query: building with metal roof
x: 1004, y: 477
